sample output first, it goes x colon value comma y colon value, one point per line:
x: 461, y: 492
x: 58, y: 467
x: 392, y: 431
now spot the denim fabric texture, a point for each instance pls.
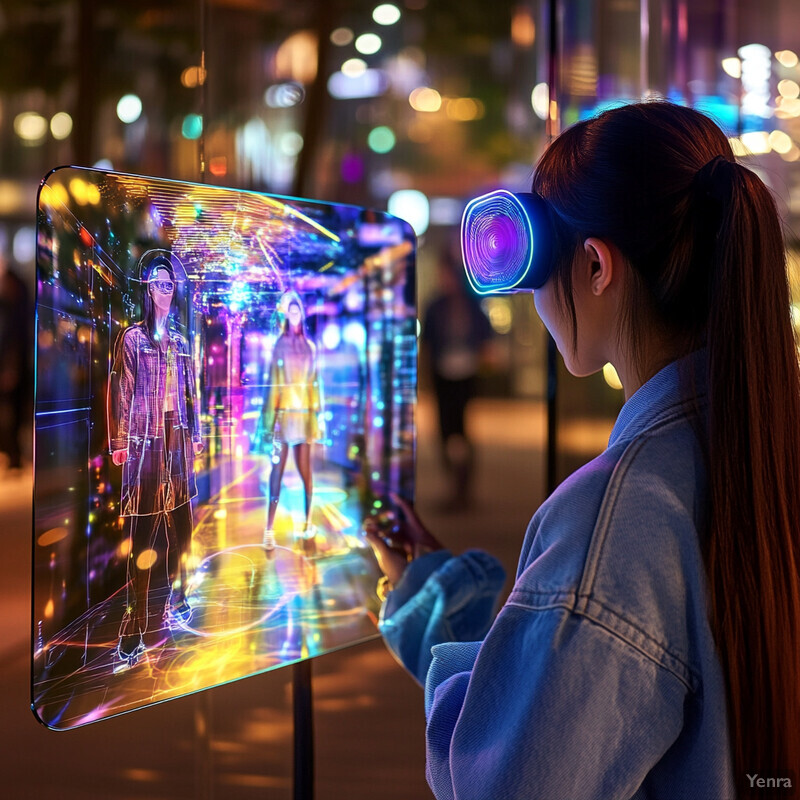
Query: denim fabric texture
x: 599, y: 677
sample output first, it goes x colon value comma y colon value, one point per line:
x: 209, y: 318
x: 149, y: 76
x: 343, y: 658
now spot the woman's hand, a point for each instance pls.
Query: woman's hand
x: 411, y: 536
x: 119, y: 457
x: 198, y: 448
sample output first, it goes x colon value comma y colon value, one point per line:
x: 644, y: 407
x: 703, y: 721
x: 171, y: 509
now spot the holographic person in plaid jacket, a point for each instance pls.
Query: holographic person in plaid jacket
x: 154, y: 435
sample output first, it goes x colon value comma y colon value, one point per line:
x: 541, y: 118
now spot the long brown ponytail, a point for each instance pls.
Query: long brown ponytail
x: 703, y: 237
x: 753, y: 550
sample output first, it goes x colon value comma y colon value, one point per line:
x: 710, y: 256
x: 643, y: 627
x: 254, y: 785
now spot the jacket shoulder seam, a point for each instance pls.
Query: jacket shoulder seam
x: 642, y: 644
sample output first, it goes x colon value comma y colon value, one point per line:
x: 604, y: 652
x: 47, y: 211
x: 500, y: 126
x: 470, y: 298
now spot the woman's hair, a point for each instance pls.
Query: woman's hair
x: 702, y: 236
x: 148, y: 306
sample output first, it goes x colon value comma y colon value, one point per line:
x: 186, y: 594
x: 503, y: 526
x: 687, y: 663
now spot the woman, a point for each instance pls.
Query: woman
x: 290, y: 413
x: 650, y: 646
x: 155, y: 435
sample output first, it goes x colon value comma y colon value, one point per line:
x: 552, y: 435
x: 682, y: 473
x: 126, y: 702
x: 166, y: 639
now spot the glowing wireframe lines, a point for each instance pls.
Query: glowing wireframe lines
x: 270, y: 258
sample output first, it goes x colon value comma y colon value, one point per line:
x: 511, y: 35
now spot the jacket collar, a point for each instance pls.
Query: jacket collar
x: 670, y: 386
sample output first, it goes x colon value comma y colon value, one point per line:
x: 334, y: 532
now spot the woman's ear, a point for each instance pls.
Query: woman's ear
x: 602, y: 261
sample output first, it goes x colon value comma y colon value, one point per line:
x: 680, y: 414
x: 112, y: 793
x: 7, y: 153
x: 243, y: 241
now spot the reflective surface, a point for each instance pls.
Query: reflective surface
x: 255, y: 584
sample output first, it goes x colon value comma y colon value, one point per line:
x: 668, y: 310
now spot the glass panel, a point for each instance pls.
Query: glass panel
x: 226, y: 385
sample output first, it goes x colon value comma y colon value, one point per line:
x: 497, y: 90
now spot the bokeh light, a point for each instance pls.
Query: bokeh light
x: 354, y: 67
x: 788, y: 88
x: 610, y: 376
x: 147, y: 558
x: 30, y: 127
x: 368, y: 43
x: 412, y: 206
x: 296, y: 59
x: 61, y: 125
x: 218, y: 166
x: 787, y: 107
x: 284, y: 95
x: 370, y: 83
x: 129, y: 108
x: 540, y: 100
x: 342, y: 36
x: 792, y: 155
x: 780, y: 142
x: 523, y: 28
x: 500, y: 314
x: 465, y: 109
x: 355, y: 334
x: 788, y: 58
x: 192, y: 77
x: 24, y: 245
x: 426, y: 99
x: 732, y: 66
x: 331, y: 336
x: 386, y: 14
x: 291, y: 143
x: 756, y: 142
x: 192, y: 126
x: 381, y: 139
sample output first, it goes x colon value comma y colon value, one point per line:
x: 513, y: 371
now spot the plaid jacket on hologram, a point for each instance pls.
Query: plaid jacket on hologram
x: 136, y: 405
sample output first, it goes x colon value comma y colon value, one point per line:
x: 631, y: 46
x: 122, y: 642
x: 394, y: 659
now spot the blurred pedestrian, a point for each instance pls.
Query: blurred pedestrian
x: 14, y: 361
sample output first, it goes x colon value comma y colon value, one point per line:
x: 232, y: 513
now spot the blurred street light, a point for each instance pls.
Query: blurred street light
x: 129, y: 108
x: 386, y: 14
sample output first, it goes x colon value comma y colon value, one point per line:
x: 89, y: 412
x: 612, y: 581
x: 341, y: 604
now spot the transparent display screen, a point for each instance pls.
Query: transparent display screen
x: 225, y: 388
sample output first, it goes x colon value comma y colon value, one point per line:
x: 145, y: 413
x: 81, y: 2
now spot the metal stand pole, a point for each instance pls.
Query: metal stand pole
x: 553, y: 125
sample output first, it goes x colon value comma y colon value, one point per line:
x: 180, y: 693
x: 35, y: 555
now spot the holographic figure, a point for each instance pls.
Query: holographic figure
x: 290, y: 415
x: 154, y: 435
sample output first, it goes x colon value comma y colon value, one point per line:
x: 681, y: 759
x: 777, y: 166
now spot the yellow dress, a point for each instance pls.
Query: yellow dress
x: 292, y: 405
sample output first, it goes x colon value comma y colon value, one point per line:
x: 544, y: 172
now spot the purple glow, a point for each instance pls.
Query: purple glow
x: 352, y: 168
x: 496, y: 242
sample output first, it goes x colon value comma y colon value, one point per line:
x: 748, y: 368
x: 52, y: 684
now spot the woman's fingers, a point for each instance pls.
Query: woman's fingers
x: 392, y: 562
x: 421, y: 538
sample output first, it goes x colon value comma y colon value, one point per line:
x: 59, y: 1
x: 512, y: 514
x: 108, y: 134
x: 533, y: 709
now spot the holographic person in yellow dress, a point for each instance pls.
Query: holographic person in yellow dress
x: 290, y: 414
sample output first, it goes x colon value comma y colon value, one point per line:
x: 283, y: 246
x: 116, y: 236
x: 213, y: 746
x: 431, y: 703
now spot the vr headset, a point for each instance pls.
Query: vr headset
x: 506, y: 242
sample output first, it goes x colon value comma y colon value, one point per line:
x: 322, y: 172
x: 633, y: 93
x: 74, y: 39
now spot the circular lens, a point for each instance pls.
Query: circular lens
x: 497, y: 242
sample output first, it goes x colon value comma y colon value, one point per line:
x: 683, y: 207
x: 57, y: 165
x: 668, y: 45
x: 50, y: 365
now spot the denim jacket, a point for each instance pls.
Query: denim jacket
x: 599, y: 678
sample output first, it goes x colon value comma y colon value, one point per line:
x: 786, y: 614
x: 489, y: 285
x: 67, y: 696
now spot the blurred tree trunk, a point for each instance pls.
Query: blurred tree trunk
x: 85, y: 67
x: 326, y: 15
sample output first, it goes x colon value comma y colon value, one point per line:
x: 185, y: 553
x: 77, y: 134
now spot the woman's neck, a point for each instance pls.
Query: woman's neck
x: 160, y: 325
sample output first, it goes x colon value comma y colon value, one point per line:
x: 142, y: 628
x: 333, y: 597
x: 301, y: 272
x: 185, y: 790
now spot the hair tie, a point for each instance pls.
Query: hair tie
x: 714, y: 178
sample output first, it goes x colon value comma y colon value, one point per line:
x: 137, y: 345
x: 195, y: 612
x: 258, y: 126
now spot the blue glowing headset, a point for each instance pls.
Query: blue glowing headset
x: 506, y: 242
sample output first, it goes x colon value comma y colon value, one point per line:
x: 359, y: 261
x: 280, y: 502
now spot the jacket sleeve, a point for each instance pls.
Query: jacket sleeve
x: 548, y: 705
x: 121, y: 386
x: 192, y: 410
x: 440, y: 598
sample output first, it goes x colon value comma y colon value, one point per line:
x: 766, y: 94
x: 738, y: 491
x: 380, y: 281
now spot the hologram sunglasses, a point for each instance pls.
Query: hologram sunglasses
x: 165, y: 287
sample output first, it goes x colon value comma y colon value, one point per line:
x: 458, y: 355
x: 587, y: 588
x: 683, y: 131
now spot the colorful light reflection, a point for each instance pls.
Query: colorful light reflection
x: 249, y: 607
